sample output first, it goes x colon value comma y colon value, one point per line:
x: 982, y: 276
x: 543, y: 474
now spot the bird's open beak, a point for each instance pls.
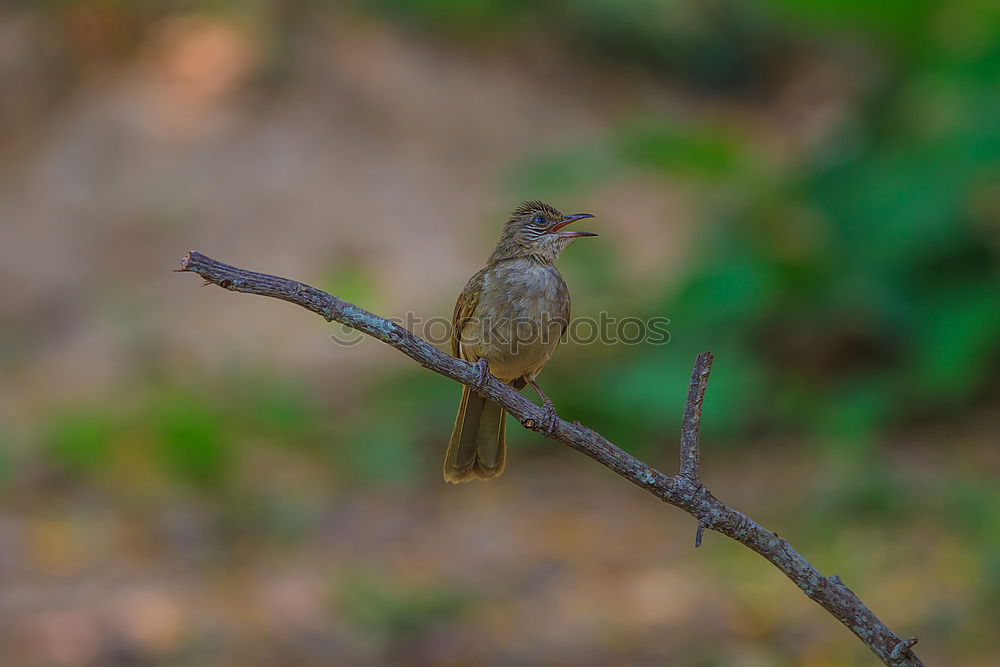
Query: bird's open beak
x: 554, y: 229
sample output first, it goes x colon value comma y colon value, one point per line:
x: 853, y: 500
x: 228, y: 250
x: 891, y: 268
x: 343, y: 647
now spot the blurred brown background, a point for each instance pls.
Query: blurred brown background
x: 191, y: 477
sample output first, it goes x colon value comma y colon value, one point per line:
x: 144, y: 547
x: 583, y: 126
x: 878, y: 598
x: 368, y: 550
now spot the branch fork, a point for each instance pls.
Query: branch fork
x: 684, y: 491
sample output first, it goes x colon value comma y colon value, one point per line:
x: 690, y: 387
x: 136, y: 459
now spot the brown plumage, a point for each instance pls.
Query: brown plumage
x: 511, y: 314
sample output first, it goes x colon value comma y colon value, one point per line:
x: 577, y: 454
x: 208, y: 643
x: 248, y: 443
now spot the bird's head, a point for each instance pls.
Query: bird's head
x: 538, y: 230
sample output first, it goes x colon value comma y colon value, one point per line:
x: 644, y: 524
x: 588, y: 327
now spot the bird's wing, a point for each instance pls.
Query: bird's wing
x: 564, y: 315
x: 465, y: 306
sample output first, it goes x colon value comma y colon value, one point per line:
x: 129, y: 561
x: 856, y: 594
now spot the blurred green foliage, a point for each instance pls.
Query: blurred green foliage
x: 850, y: 290
x: 78, y: 439
x: 190, y: 437
x: 396, y: 610
x: 845, y: 290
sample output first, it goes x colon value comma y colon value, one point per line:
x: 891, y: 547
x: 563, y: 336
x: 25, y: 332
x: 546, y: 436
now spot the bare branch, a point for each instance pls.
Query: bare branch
x: 691, y: 428
x: 682, y: 491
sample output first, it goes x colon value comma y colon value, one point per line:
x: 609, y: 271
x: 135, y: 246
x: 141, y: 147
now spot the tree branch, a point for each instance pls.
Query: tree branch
x: 683, y: 491
x: 691, y: 428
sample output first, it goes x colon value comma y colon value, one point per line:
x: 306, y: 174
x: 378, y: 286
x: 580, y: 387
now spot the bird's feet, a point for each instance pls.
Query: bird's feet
x: 551, y: 417
x: 483, y: 368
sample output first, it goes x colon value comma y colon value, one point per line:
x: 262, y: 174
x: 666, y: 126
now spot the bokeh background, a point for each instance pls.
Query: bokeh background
x: 810, y: 188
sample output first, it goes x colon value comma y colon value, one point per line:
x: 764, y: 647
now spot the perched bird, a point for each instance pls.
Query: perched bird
x: 509, y: 319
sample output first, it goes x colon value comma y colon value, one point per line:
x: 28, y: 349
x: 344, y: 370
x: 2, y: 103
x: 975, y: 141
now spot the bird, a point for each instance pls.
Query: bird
x: 509, y: 320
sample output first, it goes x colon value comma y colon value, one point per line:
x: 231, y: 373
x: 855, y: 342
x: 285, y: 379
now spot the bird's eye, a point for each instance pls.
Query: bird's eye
x: 539, y: 220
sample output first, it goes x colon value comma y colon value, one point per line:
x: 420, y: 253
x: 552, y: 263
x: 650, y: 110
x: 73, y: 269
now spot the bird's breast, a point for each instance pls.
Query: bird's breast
x: 524, y: 290
x: 521, y: 314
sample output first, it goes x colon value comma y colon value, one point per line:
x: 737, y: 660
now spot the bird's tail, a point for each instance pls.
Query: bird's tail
x: 478, y: 445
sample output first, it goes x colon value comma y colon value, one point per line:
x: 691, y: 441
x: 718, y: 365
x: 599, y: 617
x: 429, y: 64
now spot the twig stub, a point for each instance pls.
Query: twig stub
x: 691, y: 426
x: 903, y: 648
